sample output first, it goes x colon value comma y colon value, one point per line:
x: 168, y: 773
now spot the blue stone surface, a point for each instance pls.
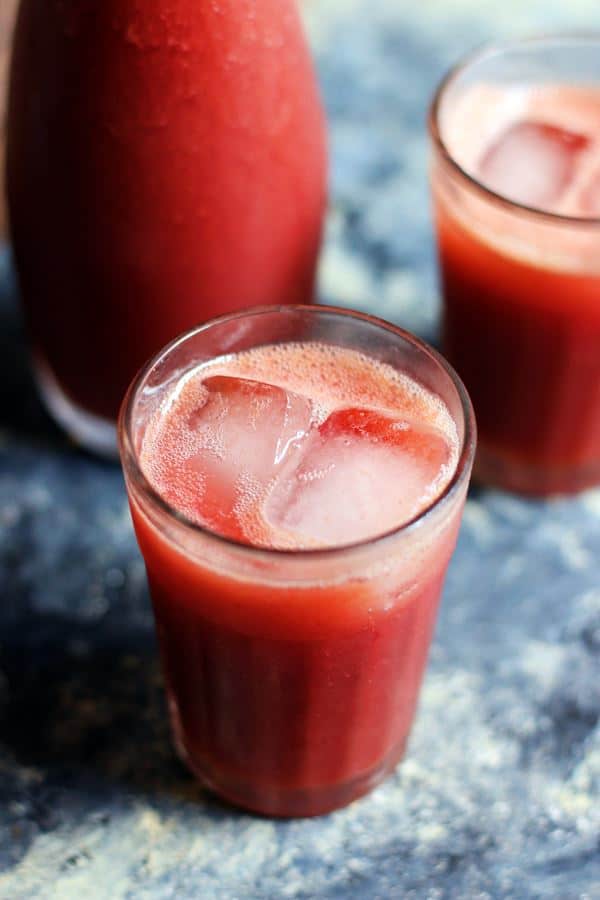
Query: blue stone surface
x: 498, y: 796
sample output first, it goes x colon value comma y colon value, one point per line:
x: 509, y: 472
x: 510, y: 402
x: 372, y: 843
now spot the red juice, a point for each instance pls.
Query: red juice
x: 166, y: 164
x: 294, y: 605
x: 516, y: 188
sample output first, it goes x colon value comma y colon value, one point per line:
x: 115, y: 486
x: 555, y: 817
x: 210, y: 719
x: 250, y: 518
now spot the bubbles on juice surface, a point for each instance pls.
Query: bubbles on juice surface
x: 360, y: 474
x: 533, y: 163
x: 274, y: 447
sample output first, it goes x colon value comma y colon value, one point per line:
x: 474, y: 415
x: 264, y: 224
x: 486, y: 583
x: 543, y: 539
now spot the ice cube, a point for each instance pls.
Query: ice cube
x: 361, y: 474
x: 237, y: 436
x: 532, y: 163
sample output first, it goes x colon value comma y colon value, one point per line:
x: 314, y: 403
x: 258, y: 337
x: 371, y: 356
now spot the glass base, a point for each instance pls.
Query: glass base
x: 92, y: 432
x: 289, y: 803
x: 495, y: 469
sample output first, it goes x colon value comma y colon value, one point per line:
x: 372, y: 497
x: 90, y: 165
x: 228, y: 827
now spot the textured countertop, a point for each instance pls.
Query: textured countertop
x: 499, y: 794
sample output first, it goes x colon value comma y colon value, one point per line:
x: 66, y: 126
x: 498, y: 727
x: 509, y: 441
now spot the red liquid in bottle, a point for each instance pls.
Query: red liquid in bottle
x: 166, y: 164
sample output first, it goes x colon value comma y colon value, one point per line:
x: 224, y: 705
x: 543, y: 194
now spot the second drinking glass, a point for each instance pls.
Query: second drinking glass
x: 515, y: 176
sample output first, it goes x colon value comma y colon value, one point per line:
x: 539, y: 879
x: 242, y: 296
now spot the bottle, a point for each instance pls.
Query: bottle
x: 166, y: 163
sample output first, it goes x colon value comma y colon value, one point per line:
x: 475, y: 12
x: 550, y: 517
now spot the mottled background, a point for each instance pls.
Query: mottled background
x: 498, y: 796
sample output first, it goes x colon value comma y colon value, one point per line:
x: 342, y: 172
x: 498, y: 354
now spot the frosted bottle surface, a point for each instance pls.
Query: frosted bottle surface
x: 166, y: 164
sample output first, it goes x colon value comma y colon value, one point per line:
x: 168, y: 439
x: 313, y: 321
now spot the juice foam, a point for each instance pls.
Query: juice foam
x: 299, y: 446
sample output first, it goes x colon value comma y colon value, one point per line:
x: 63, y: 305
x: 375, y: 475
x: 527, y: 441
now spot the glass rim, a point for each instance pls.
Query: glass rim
x: 133, y: 469
x: 485, y: 51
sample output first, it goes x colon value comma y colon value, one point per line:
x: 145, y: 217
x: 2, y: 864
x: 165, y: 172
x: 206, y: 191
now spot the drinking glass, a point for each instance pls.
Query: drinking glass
x: 292, y: 677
